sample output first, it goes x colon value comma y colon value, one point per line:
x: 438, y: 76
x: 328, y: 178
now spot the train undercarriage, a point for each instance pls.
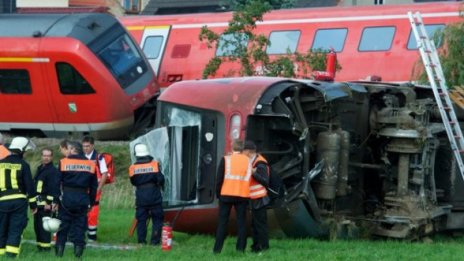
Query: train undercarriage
x: 374, y: 163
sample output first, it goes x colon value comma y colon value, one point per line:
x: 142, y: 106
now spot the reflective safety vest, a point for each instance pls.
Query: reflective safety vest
x: 4, y: 152
x: 77, y: 165
x: 145, y: 168
x: 256, y: 189
x: 237, y: 175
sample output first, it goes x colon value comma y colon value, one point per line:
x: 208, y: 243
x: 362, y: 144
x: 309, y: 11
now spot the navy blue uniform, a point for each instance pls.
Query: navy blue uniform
x: 146, y: 176
x: 16, y: 190
x: 259, y: 227
x: 79, y: 188
x: 48, y: 191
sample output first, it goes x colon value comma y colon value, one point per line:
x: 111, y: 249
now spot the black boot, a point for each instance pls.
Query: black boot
x: 78, y: 251
x: 59, y: 250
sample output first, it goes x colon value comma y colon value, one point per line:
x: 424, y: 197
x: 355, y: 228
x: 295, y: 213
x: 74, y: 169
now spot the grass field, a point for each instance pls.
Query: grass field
x: 117, y: 212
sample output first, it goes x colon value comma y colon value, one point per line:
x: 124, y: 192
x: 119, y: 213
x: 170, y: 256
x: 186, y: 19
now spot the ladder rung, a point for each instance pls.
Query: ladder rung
x: 457, y: 137
x: 452, y: 122
x: 461, y: 151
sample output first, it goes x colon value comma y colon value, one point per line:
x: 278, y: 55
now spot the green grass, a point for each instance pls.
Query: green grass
x: 116, y: 215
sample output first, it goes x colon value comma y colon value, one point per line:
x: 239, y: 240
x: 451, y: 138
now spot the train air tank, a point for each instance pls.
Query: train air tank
x: 328, y: 149
x: 342, y: 181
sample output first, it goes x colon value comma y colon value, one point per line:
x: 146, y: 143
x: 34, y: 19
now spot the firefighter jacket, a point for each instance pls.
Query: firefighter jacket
x: 78, y: 181
x: 47, y: 186
x: 260, y: 177
x: 16, y: 180
x: 236, y: 176
x: 146, y: 176
x: 4, y: 152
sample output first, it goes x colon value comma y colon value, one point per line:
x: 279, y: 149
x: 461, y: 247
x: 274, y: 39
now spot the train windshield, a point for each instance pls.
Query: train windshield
x: 123, y: 59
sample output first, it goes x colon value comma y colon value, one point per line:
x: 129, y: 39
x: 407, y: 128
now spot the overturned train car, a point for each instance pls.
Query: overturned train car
x: 352, y: 156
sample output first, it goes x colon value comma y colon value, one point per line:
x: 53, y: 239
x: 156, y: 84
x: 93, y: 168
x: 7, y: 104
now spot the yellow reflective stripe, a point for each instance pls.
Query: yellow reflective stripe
x: 32, y: 200
x: 41, y: 244
x: 2, y: 179
x: 14, y: 179
x: 39, y: 186
x: 50, y: 198
x: 135, y: 27
x: 24, y: 59
x: 41, y: 203
x: 2, y: 251
x: 14, y: 196
x: 12, y: 249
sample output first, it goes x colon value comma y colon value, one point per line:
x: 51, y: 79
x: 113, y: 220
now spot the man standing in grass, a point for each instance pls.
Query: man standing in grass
x: 145, y: 174
x: 47, y: 188
x: 79, y: 188
x: 233, y: 190
x: 258, y: 198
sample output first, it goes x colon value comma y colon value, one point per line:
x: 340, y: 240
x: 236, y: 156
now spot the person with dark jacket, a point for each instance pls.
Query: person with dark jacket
x: 145, y: 174
x: 232, y: 190
x: 79, y: 189
x: 48, y: 192
x: 259, y: 200
x: 16, y: 191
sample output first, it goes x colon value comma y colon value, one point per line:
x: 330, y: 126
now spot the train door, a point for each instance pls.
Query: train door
x: 154, y: 44
x: 187, y: 150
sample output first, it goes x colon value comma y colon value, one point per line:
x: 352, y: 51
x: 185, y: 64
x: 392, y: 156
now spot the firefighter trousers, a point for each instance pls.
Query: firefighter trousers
x: 42, y: 237
x: 157, y: 215
x: 13, y: 221
x: 75, y: 220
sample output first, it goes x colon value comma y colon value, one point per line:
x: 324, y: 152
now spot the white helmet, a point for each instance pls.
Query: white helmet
x: 22, y: 144
x: 51, y: 224
x: 141, y: 150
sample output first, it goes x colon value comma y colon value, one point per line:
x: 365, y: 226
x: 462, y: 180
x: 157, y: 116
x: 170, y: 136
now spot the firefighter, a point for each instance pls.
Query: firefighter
x: 259, y: 199
x: 233, y: 190
x: 88, y: 144
x: 47, y: 189
x: 3, y: 150
x: 79, y: 188
x: 16, y: 190
x: 145, y: 174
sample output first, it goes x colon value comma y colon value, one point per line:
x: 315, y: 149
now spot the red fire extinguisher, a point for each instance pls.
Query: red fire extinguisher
x: 166, y: 237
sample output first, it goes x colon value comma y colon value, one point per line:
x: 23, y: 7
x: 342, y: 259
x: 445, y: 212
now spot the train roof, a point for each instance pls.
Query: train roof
x: 398, y: 11
x: 84, y: 26
x: 245, y: 92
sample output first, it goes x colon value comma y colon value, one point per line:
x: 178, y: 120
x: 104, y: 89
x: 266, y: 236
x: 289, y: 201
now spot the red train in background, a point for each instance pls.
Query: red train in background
x: 369, y: 40
x: 62, y: 74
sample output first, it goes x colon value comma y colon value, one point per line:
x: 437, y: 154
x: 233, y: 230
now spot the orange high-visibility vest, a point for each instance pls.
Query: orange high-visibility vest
x: 146, y: 168
x: 4, y: 152
x: 257, y: 190
x: 77, y: 165
x: 237, y: 173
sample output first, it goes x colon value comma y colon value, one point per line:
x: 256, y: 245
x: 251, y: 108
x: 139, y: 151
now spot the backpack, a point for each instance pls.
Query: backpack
x: 109, y: 165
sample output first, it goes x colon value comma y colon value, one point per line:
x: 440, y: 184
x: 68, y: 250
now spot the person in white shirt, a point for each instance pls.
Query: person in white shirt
x: 88, y: 145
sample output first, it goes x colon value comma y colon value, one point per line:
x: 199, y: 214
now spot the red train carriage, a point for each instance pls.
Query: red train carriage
x: 387, y: 165
x: 71, y: 73
x: 369, y: 40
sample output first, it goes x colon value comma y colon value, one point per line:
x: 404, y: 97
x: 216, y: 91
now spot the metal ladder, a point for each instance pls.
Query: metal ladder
x: 440, y: 90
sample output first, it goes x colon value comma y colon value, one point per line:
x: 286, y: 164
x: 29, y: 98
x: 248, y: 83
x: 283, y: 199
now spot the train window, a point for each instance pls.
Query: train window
x: 377, y: 38
x: 15, y: 81
x: 71, y: 81
x: 434, y: 31
x: 327, y: 39
x: 152, y: 46
x: 229, y: 44
x: 283, y: 42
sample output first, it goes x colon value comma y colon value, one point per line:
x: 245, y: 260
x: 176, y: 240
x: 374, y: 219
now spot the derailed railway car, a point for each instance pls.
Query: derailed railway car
x: 352, y: 156
x: 63, y: 74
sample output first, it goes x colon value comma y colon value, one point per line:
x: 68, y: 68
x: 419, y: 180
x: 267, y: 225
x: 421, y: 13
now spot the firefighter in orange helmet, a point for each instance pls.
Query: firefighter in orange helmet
x: 258, y: 198
x: 233, y: 190
x: 145, y: 174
